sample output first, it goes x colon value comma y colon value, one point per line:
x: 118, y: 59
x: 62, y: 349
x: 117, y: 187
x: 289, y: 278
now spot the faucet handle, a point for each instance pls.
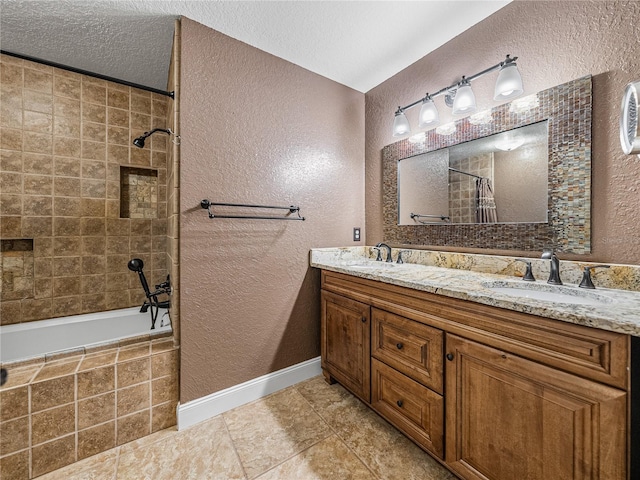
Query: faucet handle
x: 528, y: 274
x: 586, y: 276
x: 379, y: 256
x: 399, y: 260
x: 547, y: 254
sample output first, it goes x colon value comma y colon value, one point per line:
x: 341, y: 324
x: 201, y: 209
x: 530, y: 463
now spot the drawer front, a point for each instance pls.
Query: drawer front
x: 411, y: 407
x: 412, y: 348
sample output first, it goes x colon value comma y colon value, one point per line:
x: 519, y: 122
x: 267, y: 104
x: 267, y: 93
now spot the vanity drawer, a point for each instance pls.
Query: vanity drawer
x: 412, y: 348
x: 411, y: 407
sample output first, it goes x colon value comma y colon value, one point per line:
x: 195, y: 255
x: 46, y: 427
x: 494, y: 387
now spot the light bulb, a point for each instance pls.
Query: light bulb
x: 465, y: 100
x: 401, y: 125
x: 428, y: 114
x: 509, y: 83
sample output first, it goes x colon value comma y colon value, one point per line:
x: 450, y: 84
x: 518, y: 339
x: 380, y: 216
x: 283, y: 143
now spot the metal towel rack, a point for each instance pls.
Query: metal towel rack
x: 417, y: 217
x: 206, y: 204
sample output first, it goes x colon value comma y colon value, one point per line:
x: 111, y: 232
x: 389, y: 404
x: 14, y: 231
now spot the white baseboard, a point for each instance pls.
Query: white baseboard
x: 207, y: 407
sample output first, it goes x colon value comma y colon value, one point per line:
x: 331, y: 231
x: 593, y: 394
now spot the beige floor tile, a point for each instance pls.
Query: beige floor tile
x: 98, y: 467
x: 271, y: 430
x: 382, y: 448
x: 328, y: 460
x: 202, y: 452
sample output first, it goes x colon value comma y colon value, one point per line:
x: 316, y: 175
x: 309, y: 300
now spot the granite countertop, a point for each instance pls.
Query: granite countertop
x: 611, y: 309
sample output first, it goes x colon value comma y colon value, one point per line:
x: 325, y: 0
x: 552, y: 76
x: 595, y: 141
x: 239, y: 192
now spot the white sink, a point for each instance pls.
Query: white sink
x: 549, y: 293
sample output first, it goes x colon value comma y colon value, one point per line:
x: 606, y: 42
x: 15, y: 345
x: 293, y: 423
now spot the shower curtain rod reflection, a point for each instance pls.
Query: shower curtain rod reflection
x: 206, y: 204
x: 465, y: 173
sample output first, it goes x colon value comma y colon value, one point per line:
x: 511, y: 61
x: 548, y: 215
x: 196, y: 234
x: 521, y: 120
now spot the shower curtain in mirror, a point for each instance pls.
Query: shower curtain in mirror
x: 485, y: 203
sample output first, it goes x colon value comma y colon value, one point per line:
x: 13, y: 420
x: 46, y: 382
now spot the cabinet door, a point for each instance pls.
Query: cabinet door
x: 345, y: 343
x: 413, y: 408
x: 510, y: 418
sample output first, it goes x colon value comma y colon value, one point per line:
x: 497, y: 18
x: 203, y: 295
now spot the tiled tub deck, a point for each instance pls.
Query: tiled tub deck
x: 56, y: 412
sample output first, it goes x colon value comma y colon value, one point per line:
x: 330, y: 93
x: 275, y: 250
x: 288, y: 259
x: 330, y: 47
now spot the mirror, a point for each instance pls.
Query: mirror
x: 444, y: 186
x: 566, y: 110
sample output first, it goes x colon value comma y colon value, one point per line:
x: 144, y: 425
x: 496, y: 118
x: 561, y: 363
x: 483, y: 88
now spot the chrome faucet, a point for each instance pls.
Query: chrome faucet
x: 554, y: 272
x: 388, y: 249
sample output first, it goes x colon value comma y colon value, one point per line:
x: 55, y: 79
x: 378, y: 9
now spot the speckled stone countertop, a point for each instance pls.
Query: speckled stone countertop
x: 609, y: 309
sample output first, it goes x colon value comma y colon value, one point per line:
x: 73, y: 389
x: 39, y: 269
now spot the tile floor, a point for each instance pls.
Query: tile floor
x: 309, y: 431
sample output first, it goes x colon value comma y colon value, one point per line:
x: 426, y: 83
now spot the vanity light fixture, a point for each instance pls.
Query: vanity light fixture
x: 508, y: 86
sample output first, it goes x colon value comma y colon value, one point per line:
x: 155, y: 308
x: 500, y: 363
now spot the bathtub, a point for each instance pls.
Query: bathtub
x: 37, y: 339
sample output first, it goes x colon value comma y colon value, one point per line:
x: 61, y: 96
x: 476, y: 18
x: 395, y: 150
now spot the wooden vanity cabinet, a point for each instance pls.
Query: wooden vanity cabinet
x: 508, y: 417
x: 521, y: 397
x: 345, y: 343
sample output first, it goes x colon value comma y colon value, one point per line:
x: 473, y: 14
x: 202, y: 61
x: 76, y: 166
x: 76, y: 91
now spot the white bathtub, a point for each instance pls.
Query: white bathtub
x: 35, y: 339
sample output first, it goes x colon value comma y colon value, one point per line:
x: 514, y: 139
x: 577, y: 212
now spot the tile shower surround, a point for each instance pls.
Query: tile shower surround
x: 64, y: 138
x: 568, y: 106
x: 60, y: 411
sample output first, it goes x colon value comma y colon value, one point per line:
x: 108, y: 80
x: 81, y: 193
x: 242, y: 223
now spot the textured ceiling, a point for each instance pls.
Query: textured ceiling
x: 357, y: 43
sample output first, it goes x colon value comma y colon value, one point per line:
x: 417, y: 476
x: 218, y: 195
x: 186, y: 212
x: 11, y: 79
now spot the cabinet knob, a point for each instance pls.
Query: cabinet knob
x: 399, y: 345
x: 400, y: 403
x: 450, y: 356
x: 364, y: 319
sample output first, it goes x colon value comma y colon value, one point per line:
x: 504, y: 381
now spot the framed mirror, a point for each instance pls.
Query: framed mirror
x: 501, y: 178
x: 564, y: 112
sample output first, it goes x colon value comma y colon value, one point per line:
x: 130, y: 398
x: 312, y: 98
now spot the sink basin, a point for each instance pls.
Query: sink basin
x: 549, y: 293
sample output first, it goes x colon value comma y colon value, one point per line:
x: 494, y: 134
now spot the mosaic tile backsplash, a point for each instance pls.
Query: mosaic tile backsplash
x: 568, y: 109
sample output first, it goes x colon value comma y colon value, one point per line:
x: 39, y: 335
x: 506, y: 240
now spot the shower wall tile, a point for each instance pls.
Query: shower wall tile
x: 63, y: 139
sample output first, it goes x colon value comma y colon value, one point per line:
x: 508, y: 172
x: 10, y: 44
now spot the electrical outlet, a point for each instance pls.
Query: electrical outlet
x: 356, y: 234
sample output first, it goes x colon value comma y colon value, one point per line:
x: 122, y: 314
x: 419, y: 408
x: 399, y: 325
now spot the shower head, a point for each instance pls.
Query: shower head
x: 139, y: 141
x: 135, y: 265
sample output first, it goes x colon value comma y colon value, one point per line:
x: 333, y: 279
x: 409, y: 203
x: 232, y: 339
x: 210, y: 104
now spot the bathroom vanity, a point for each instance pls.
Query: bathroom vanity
x: 489, y: 391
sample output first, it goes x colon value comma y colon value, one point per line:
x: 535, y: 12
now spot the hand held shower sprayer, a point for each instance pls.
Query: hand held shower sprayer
x: 136, y: 265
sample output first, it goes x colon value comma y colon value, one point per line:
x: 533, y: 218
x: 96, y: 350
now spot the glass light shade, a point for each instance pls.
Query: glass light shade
x: 464, y: 101
x: 401, y: 125
x: 509, y: 83
x: 428, y: 114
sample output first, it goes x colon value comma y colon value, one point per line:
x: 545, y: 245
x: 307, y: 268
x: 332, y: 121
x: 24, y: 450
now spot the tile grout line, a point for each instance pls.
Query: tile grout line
x: 233, y: 445
x: 342, y: 440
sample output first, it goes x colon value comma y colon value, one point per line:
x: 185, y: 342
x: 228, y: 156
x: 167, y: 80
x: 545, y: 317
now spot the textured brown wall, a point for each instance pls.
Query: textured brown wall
x: 257, y: 129
x: 556, y: 41
x: 63, y: 140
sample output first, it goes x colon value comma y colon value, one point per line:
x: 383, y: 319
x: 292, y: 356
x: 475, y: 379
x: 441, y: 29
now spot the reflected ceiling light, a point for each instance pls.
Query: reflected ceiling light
x: 481, y: 118
x: 417, y: 138
x: 446, y: 129
x: 401, y: 125
x: 508, y: 144
x: 508, y: 85
x: 524, y: 104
